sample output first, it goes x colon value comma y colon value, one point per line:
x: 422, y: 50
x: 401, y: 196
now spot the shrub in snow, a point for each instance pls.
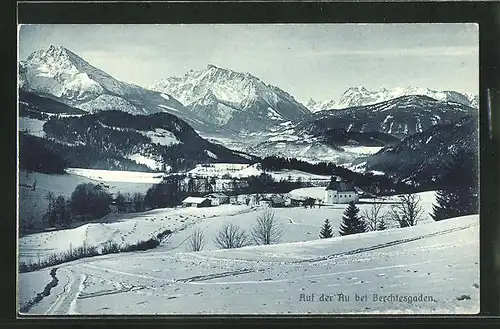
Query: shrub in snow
x: 90, y: 199
x: 110, y: 248
x: 267, y: 230
x: 142, y: 245
x: 196, y: 240
x: 373, y: 216
x: 326, y: 230
x: 352, y: 223
x: 231, y: 236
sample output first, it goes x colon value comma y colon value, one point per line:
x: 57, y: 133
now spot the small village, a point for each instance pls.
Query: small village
x: 338, y: 191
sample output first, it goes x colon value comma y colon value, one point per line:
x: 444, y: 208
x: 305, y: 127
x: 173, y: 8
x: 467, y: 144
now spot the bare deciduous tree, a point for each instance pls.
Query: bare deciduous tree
x: 196, y: 240
x: 373, y: 216
x: 230, y: 236
x: 408, y: 211
x: 267, y: 230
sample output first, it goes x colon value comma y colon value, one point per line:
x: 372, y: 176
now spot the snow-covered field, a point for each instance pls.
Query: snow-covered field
x: 153, y: 163
x: 436, y: 259
x: 245, y: 170
x: 429, y: 268
x: 117, y: 176
x: 119, y: 228
x: 362, y: 150
x: 32, y: 126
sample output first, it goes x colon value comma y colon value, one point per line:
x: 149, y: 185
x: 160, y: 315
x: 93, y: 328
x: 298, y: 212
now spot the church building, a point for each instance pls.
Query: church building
x: 340, y: 191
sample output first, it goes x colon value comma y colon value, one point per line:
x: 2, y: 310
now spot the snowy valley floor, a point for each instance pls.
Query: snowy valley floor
x: 438, y: 260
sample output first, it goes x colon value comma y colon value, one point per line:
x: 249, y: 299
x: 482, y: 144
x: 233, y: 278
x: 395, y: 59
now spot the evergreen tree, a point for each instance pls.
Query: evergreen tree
x: 459, y: 194
x: 381, y: 225
x: 326, y: 230
x: 352, y: 223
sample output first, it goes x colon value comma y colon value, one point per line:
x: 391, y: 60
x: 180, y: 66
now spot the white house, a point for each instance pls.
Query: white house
x: 339, y: 191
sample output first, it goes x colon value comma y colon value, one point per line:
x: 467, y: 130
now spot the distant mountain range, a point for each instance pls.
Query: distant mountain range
x: 399, y: 117
x: 360, y: 96
x: 82, y: 116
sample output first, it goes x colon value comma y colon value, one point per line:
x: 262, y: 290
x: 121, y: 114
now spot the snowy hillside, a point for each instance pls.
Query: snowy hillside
x: 291, y: 140
x: 155, y: 140
x: 360, y: 96
x: 429, y: 268
x: 423, y: 157
x: 334, y: 135
x: 239, y: 101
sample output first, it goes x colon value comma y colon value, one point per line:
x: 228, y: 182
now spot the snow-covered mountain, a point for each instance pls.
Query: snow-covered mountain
x: 316, y: 106
x: 360, y: 96
x: 58, y: 73
x: 239, y: 101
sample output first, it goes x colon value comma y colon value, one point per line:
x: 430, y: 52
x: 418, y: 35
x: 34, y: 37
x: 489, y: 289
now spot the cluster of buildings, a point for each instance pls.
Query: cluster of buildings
x: 338, y: 191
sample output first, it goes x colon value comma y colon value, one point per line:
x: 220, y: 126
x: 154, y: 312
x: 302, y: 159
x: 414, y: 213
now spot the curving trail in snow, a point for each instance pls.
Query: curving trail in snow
x: 439, y: 259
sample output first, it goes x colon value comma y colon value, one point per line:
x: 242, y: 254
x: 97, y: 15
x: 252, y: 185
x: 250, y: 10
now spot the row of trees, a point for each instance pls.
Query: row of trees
x: 87, y: 202
x: 375, y: 184
x: 407, y: 212
x: 266, y: 231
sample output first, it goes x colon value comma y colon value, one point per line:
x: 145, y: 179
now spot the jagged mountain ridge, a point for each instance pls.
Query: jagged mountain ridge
x: 422, y: 157
x: 58, y: 73
x: 238, y: 101
x: 399, y: 117
x: 360, y: 96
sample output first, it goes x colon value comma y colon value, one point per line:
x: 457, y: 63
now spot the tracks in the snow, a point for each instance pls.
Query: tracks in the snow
x: 216, y: 275
x: 65, y: 301
x: 382, y: 245
x: 328, y: 257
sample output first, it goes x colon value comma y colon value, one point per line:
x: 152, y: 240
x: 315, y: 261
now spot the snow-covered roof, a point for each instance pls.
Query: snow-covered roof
x: 277, y: 199
x: 341, y: 186
x: 193, y: 199
x: 216, y: 195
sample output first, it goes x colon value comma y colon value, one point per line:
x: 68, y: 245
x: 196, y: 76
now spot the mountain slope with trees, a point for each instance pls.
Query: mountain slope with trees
x: 421, y: 159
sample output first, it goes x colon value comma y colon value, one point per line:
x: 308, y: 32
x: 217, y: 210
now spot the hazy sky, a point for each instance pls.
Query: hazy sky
x: 307, y: 60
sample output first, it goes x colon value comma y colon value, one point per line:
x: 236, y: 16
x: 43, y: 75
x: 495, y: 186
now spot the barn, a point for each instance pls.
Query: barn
x: 197, y: 202
x: 265, y: 202
x: 217, y: 198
